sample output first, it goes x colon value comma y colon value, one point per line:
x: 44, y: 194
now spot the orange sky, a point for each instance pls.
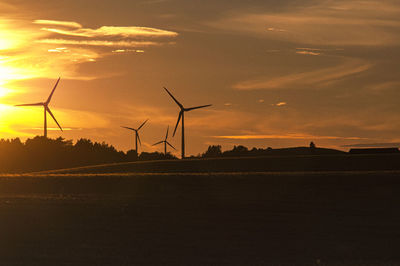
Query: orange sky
x: 278, y: 73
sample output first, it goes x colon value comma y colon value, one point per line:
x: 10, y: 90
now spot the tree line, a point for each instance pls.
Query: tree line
x: 40, y: 153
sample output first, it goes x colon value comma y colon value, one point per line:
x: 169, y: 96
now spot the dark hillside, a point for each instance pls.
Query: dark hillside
x: 343, y: 162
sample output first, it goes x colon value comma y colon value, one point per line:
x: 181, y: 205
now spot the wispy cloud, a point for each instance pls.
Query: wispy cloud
x: 308, y: 53
x: 59, y: 50
x: 311, y: 79
x: 19, y: 59
x: 385, y: 86
x: 127, y: 51
x: 99, y: 43
x: 52, y: 128
x: 70, y: 24
x: 309, y: 49
x: 372, y: 145
x: 280, y: 104
x: 326, y: 22
x: 275, y: 29
x: 103, y: 36
x: 109, y: 31
x: 7, y: 8
x: 288, y: 136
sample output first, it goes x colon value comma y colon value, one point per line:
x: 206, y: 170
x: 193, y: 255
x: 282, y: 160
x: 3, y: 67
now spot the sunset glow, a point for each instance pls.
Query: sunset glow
x: 210, y: 132
x: 266, y: 68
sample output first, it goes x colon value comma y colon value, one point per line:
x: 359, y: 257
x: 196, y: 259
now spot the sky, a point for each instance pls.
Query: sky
x: 278, y: 73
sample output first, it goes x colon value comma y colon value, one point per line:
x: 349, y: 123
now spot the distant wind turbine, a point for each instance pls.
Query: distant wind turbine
x: 136, y: 135
x: 165, y: 143
x: 46, y: 109
x: 181, y: 115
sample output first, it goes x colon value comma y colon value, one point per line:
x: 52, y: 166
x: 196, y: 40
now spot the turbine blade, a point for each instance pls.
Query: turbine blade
x: 51, y: 94
x: 30, y: 104
x: 171, y: 145
x: 129, y: 128
x: 179, y: 119
x: 142, y: 124
x: 158, y: 143
x: 138, y: 137
x: 178, y: 103
x: 197, y: 107
x: 166, y: 136
x: 48, y: 110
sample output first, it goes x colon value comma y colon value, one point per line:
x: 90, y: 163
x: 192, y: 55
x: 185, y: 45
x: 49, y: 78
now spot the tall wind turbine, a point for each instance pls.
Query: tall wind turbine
x: 165, y: 141
x: 181, y: 115
x: 137, y: 135
x: 46, y: 109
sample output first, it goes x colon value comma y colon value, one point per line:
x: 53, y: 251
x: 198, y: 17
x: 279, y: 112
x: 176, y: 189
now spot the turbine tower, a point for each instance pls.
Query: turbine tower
x: 137, y: 135
x: 181, y: 116
x: 165, y: 143
x: 46, y: 109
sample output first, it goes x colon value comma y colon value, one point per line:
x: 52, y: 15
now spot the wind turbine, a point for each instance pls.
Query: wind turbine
x: 137, y: 135
x: 46, y: 109
x: 181, y: 115
x: 165, y: 143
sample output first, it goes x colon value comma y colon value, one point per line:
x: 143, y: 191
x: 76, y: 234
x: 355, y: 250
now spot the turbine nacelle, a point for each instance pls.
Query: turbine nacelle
x: 181, y: 116
x: 46, y: 108
x: 137, y: 137
x: 165, y: 141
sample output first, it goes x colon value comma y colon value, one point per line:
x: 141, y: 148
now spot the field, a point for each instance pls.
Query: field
x: 296, y: 163
x: 259, y: 218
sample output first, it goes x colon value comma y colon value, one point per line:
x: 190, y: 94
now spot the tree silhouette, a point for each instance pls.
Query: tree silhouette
x: 213, y: 151
x: 40, y: 153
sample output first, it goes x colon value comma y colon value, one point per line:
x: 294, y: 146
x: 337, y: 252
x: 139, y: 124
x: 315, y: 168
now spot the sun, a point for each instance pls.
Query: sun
x: 3, y: 89
x: 5, y: 43
x: 7, y: 74
x: 10, y: 36
x: 3, y: 92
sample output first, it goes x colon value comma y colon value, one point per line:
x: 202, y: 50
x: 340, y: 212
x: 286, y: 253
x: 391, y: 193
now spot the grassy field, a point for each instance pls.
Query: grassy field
x: 296, y: 163
x: 322, y: 218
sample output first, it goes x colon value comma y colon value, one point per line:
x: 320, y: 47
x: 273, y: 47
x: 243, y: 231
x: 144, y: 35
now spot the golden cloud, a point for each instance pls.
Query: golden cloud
x: 368, y: 22
x: 71, y: 24
x: 75, y: 29
x: 310, y: 79
x: 281, y: 104
x: 288, y: 136
x: 107, y: 31
x: 19, y: 59
x: 275, y: 29
x: 99, y: 43
x: 308, y: 53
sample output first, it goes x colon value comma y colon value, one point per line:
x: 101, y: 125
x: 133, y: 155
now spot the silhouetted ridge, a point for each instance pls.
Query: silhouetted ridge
x: 42, y: 153
x: 242, y: 151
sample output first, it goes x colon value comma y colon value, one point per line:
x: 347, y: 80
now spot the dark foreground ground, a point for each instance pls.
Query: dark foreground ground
x: 337, y: 218
x: 295, y: 163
